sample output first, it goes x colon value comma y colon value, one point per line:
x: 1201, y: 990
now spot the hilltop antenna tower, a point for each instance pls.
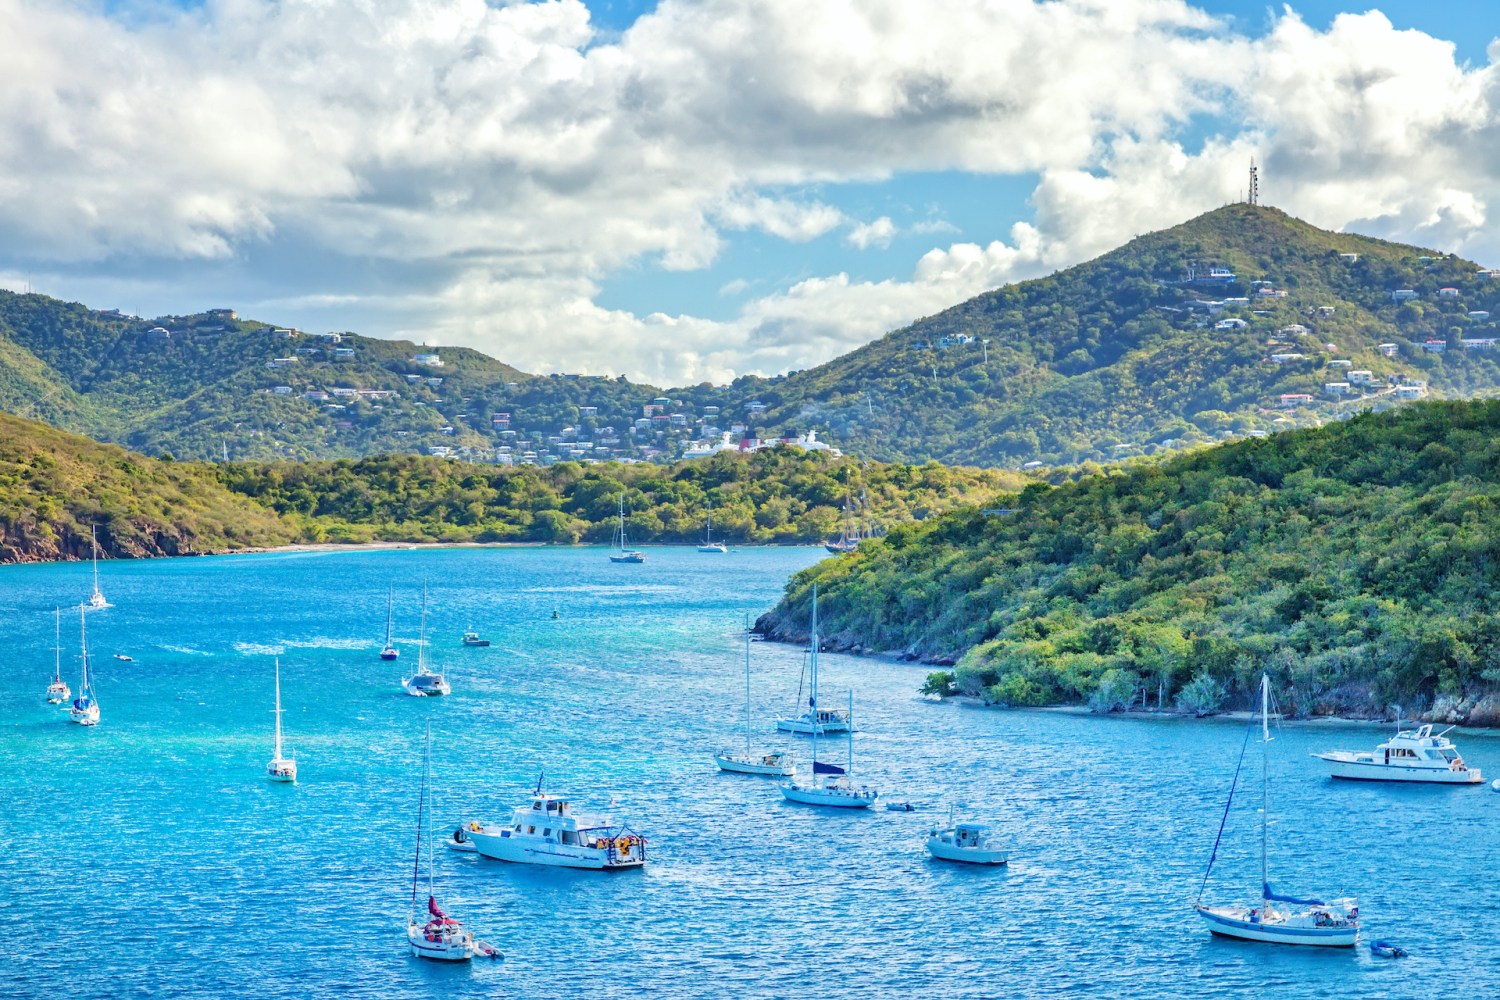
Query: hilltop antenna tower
x: 1253, y: 196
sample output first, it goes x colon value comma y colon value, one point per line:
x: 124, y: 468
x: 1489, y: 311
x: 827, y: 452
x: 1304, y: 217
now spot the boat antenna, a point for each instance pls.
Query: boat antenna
x: 539, y: 777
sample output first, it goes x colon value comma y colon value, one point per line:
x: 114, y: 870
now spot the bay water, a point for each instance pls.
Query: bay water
x: 150, y: 857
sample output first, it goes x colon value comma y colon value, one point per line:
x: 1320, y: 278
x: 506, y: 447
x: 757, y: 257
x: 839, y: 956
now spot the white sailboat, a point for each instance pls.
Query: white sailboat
x: 1277, y: 919
x: 280, y: 768
x: 96, y: 600
x: 58, y: 691
x: 816, y: 720
x: 776, y: 762
x: 425, y: 683
x: 389, y: 651
x: 439, y: 937
x: 625, y: 554
x: 85, y: 710
x: 709, y: 545
x: 839, y: 788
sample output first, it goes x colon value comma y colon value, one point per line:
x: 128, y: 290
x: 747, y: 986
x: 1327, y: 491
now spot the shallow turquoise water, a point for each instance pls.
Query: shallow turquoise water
x: 150, y: 857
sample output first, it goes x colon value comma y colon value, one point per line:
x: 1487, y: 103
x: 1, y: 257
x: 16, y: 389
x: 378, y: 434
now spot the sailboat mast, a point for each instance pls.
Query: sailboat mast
x: 390, y: 601
x: 427, y: 784
x: 747, y: 685
x: 83, y: 640
x: 416, y: 864
x: 1265, y: 777
x: 94, y: 544
x: 422, y: 639
x: 57, y: 643
x: 278, y: 708
x: 851, y: 731
x: 813, y: 701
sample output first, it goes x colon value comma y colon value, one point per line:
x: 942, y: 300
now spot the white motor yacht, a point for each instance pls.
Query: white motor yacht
x: 1410, y: 755
x: 1334, y: 923
x: 548, y: 832
x: 425, y: 683
x: 975, y: 843
x: 280, y: 768
x: 777, y: 763
x: 838, y: 788
x: 58, y: 691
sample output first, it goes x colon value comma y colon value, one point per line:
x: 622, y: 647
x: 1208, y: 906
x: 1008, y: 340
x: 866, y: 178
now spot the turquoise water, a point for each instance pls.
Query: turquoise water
x: 150, y: 857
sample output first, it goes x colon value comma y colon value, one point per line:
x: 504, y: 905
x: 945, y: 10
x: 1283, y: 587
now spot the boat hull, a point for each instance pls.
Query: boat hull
x: 534, y: 851
x: 389, y: 654
x: 968, y: 855
x: 281, y: 770
x: 1351, y: 768
x: 738, y: 765
x: 1226, y: 924
x: 438, y: 951
x: 805, y: 728
x: 832, y: 800
x: 713, y: 548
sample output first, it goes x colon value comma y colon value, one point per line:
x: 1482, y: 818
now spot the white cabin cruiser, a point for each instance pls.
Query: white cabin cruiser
x: 1410, y: 755
x: 548, y: 832
x: 777, y: 763
x: 976, y: 843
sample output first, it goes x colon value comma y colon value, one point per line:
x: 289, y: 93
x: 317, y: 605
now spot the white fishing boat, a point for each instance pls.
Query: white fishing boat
x: 85, y: 709
x: 548, y: 832
x: 280, y: 768
x: 775, y: 762
x: 837, y: 787
x: 623, y: 552
x: 96, y: 600
x: 472, y: 638
x: 389, y: 650
x: 1276, y: 918
x: 1411, y: 755
x: 434, y: 934
x: 425, y: 683
x: 972, y: 843
x: 58, y: 691
x: 709, y: 545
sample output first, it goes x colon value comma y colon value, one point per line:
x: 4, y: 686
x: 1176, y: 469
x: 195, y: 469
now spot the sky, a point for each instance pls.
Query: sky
x: 691, y: 190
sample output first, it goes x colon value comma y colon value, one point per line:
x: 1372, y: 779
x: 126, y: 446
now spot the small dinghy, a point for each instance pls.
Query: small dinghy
x: 124, y: 658
x: 901, y: 807
x: 1385, y: 949
x: 460, y: 841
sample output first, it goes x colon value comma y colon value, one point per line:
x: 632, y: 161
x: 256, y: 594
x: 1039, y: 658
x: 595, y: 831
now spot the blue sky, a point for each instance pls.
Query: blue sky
x: 699, y: 188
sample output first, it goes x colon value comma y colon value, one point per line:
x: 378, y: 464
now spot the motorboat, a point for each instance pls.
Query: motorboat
x: 124, y: 658
x: 434, y: 934
x: 58, y: 691
x: 837, y: 788
x: 96, y: 601
x: 389, y: 650
x: 623, y: 552
x: 280, y: 767
x: 1411, y: 755
x: 709, y: 545
x: 1385, y: 949
x: 85, y: 709
x: 974, y: 843
x: 460, y: 841
x: 1276, y: 918
x: 472, y: 638
x: 425, y: 683
x: 778, y: 763
x: 547, y: 831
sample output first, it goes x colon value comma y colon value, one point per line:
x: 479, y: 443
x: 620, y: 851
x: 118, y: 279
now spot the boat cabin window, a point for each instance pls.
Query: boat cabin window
x: 531, y: 829
x: 1449, y: 755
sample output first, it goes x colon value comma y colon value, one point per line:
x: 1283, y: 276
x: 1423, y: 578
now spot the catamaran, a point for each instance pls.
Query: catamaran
x: 776, y: 762
x: 58, y: 691
x: 85, y: 710
x: 389, y: 651
x: 625, y: 554
x: 1334, y: 923
x: 1411, y: 755
x: 96, y: 600
x: 709, y: 545
x: 838, y: 788
x: 549, y: 832
x: 425, y: 683
x: 280, y: 768
x: 439, y: 937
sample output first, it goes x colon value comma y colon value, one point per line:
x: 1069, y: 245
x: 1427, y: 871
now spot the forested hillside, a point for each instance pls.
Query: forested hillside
x: 1358, y: 562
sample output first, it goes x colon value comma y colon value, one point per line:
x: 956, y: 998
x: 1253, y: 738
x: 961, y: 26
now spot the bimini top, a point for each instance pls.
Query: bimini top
x: 972, y: 827
x: 1420, y: 737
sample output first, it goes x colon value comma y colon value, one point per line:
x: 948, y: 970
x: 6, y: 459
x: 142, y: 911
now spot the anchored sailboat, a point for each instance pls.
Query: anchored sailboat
x: 440, y: 937
x: 625, y: 554
x: 389, y: 651
x: 709, y: 545
x: 85, y: 710
x: 96, y: 599
x: 777, y: 763
x: 1334, y: 923
x: 424, y: 682
x: 58, y: 691
x: 280, y: 768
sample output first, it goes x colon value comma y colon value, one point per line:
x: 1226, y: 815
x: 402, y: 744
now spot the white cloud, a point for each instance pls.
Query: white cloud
x: 476, y: 172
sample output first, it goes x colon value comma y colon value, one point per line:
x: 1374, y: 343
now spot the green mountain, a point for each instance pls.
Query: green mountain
x: 55, y: 486
x: 1359, y: 562
x: 1143, y: 350
x: 1124, y: 355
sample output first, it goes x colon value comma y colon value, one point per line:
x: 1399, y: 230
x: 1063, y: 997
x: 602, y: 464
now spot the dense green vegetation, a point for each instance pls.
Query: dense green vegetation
x: 55, y: 485
x: 1107, y: 360
x: 1358, y: 562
